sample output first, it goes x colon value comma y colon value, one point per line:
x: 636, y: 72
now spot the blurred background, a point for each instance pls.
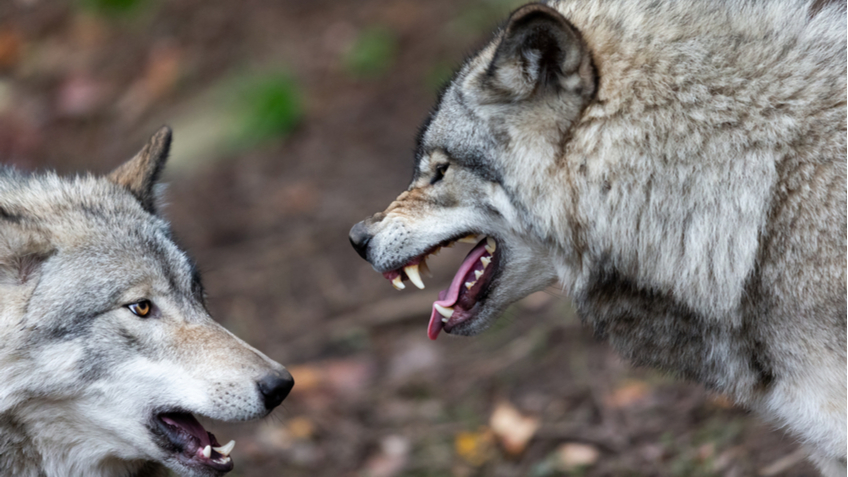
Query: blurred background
x: 292, y: 120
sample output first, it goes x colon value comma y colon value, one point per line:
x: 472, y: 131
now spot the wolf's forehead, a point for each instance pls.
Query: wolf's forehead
x: 459, y: 128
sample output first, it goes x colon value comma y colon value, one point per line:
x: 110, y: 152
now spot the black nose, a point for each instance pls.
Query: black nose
x: 275, y: 387
x: 359, y: 238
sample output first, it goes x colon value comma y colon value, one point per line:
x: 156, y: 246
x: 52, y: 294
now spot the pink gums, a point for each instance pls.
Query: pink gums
x: 448, y: 298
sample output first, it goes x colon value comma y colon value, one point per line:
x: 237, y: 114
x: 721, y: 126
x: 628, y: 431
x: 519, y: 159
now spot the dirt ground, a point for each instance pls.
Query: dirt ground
x: 82, y: 84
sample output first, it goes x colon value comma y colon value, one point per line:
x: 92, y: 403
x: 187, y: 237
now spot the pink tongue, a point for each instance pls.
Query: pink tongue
x: 190, y: 424
x: 448, y: 297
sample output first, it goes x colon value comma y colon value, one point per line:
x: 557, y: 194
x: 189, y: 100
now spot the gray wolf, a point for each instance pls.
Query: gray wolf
x: 106, y: 348
x: 678, y: 167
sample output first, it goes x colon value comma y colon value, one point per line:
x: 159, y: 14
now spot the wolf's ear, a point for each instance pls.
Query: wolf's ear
x: 540, y: 53
x: 140, y: 174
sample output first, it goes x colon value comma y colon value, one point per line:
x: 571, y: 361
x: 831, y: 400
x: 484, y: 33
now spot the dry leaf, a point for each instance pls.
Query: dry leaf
x: 572, y: 455
x: 301, y: 428
x: 628, y: 394
x: 10, y: 48
x: 474, y: 447
x: 512, y: 429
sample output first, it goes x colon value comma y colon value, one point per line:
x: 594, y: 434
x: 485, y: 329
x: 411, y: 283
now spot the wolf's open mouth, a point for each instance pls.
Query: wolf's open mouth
x: 468, y: 289
x: 193, y: 445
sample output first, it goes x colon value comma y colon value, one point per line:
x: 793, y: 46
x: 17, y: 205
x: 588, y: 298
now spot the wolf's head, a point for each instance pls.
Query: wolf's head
x: 483, y: 173
x: 106, y: 347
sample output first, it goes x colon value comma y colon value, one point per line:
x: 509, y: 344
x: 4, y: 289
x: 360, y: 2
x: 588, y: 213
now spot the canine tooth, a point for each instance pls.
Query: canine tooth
x: 491, y: 245
x: 414, y: 276
x: 397, y: 282
x: 445, y: 311
x: 470, y: 284
x: 478, y: 274
x: 468, y: 239
x: 486, y: 261
x: 207, y: 451
x: 225, y: 449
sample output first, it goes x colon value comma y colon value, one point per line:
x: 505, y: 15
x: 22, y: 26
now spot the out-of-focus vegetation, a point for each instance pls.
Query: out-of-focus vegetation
x: 372, y: 53
x: 115, y: 7
x: 267, y: 106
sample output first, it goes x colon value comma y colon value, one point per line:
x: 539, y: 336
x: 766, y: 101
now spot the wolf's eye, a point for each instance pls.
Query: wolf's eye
x: 141, y: 308
x: 440, y: 173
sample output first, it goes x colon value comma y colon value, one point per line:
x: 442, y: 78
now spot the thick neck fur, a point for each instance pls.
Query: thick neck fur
x: 722, y: 127
x: 59, y: 450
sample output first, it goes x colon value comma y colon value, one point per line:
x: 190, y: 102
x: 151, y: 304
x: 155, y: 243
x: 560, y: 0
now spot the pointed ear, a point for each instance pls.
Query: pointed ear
x: 540, y: 53
x: 140, y: 174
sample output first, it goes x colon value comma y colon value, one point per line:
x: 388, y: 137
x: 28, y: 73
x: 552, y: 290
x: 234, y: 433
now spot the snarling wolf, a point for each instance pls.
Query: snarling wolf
x: 106, y: 348
x: 678, y: 166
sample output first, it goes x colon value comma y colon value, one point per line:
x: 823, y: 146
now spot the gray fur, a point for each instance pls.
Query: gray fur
x: 82, y: 375
x: 682, y: 174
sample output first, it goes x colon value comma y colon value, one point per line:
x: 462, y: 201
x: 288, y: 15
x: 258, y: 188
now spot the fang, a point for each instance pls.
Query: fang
x: 491, y: 245
x: 445, y: 311
x: 414, y: 276
x: 225, y: 449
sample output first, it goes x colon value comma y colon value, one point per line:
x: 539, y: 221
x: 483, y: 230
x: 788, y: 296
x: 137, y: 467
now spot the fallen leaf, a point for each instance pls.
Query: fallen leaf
x: 720, y: 401
x: 628, y: 394
x: 513, y: 430
x: 10, y: 48
x: 348, y: 377
x: 300, y: 428
x: 476, y: 448
x: 573, y: 455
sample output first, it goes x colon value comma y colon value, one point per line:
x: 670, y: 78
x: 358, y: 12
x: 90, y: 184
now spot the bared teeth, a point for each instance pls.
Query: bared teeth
x: 468, y: 285
x: 469, y: 239
x: 207, y: 451
x: 478, y: 274
x: 414, y: 276
x: 397, y: 282
x: 491, y: 245
x: 486, y: 261
x: 445, y: 311
x: 225, y: 450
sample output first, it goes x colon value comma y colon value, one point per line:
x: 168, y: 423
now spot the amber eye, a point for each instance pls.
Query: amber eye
x: 440, y: 173
x: 141, y: 308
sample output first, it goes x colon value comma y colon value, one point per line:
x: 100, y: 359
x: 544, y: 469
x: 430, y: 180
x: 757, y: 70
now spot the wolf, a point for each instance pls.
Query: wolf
x: 679, y: 167
x: 107, y: 351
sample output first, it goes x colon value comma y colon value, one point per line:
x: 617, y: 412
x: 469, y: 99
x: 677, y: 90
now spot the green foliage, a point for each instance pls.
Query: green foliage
x: 267, y: 106
x: 372, y: 53
x: 115, y: 7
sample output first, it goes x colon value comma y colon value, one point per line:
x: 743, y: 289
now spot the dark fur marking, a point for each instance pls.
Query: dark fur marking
x: 651, y: 328
x: 9, y: 216
x: 818, y: 6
